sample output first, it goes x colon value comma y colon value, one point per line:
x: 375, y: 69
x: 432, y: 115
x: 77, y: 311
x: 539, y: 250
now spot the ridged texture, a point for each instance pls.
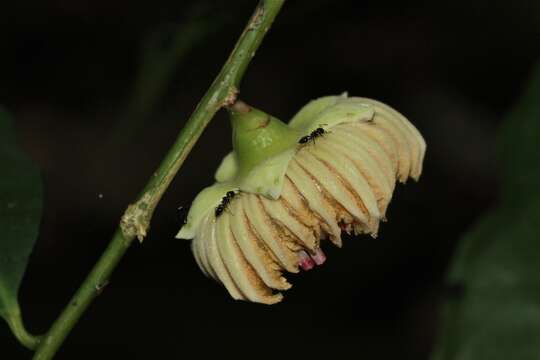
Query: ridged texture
x: 343, y: 180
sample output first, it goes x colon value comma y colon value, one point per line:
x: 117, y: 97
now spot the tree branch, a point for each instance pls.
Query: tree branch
x: 136, y: 220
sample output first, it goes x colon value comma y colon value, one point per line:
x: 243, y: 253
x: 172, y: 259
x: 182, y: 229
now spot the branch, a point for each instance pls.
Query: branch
x: 136, y: 220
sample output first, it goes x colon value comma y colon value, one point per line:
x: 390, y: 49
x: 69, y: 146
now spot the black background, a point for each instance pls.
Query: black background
x: 68, y: 67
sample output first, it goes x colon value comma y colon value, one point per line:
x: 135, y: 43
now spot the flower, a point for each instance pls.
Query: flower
x: 286, y: 188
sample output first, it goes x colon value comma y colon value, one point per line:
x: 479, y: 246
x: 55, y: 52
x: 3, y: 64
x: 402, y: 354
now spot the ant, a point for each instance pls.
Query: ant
x: 314, y: 134
x: 224, y: 202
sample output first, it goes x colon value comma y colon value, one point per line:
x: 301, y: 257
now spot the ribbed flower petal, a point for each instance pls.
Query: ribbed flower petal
x: 363, y: 165
x: 270, y: 233
x: 242, y: 273
x: 220, y: 272
x: 254, y: 249
x: 316, y: 200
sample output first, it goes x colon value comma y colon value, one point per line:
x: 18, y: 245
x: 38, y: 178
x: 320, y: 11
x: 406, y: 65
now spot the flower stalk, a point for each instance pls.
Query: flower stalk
x: 136, y: 220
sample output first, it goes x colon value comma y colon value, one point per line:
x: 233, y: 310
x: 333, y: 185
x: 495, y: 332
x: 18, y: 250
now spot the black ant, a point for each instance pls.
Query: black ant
x: 314, y: 134
x: 224, y: 202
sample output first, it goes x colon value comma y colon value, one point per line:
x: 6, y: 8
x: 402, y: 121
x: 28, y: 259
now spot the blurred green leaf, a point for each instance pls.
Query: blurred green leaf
x: 496, y: 312
x: 519, y: 147
x: 20, y: 213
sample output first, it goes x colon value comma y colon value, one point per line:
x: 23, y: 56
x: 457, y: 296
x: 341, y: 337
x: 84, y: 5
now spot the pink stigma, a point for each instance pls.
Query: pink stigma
x: 308, y: 262
x: 319, y: 257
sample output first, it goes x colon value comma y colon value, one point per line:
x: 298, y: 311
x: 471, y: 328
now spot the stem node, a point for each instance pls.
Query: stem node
x: 232, y: 96
x: 136, y: 219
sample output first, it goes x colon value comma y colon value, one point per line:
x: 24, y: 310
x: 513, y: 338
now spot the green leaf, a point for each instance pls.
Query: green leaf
x: 519, y: 147
x: 496, y: 313
x: 20, y: 213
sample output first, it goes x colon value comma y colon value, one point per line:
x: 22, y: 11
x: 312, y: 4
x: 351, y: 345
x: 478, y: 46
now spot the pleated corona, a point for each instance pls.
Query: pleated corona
x: 285, y: 188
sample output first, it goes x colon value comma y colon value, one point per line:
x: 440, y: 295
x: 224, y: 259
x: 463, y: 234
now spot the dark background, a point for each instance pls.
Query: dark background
x: 68, y: 71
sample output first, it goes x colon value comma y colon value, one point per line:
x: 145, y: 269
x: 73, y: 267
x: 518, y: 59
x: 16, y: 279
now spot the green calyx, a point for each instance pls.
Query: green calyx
x: 258, y: 137
x: 263, y: 147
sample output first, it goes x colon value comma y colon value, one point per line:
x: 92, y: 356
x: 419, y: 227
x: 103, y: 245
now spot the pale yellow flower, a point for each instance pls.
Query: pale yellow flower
x: 337, y: 179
